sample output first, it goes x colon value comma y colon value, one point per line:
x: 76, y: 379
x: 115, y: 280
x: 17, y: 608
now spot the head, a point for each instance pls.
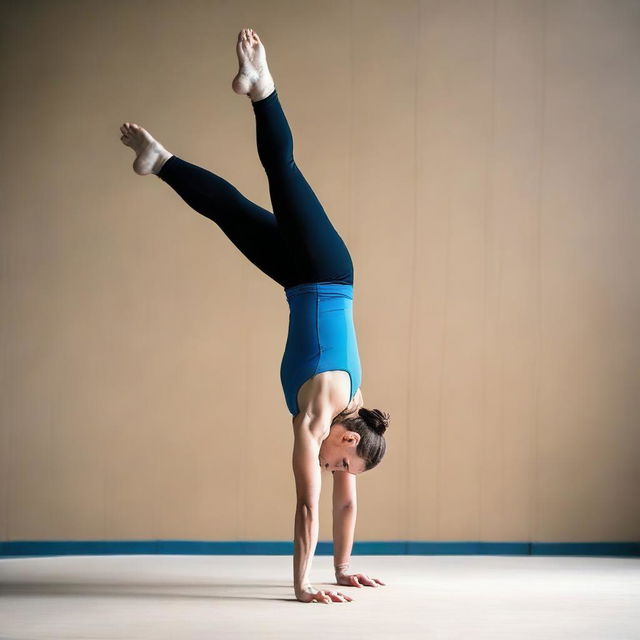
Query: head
x: 355, y: 442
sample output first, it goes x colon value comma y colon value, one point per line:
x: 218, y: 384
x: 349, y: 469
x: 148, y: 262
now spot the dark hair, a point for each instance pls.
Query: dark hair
x: 370, y: 425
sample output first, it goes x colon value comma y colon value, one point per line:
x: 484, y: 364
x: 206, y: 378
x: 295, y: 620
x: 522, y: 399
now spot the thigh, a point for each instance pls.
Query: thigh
x: 255, y: 232
x: 251, y: 228
x: 317, y: 248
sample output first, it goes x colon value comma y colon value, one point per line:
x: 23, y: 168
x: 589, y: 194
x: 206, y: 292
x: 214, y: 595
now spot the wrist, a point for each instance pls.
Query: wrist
x: 341, y: 568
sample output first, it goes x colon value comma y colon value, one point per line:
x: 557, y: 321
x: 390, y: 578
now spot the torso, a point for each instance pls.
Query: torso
x: 331, y: 388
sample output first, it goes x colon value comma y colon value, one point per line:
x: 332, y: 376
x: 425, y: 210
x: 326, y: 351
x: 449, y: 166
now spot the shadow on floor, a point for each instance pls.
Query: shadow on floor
x: 217, y: 591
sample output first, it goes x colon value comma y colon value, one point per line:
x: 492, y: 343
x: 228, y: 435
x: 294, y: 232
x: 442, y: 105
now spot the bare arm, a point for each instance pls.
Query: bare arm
x: 345, y: 509
x: 308, y: 435
x: 308, y: 482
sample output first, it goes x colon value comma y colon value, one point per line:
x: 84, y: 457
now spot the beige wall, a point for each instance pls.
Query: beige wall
x: 480, y: 160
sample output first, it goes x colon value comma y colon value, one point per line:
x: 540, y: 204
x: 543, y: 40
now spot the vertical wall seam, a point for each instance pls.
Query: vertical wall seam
x: 443, y: 342
x: 241, y: 486
x: 412, y: 292
x: 498, y: 247
x: 351, y: 125
x: 8, y: 410
x: 487, y: 270
x: 533, y: 515
x: 500, y: 282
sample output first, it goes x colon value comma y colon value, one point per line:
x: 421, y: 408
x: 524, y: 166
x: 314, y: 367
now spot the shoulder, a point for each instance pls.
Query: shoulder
x: 318, y: 425
x: 317, y: 395
x: 325, y: 396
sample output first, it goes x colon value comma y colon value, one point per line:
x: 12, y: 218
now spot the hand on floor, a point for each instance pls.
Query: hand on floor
x: 357, y: 580
x: 310, y: 594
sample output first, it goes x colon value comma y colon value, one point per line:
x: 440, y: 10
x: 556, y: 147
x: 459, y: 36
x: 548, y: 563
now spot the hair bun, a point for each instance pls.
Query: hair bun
x: 375, y: 419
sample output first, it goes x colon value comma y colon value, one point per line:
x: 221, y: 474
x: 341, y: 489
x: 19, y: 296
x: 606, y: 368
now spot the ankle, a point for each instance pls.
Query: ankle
x: 257, y: 94
x: 164, y: 156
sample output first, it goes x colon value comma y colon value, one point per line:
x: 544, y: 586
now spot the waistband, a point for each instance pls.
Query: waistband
x: 339, y: 289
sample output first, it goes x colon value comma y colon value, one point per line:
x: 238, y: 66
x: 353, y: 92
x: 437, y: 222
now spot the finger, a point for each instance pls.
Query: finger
x: 346, y: 597
x: 379, y: 582
x: 354, y: 579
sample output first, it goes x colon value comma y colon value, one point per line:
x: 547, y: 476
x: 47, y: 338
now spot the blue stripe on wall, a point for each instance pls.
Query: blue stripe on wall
x: 237, y: 547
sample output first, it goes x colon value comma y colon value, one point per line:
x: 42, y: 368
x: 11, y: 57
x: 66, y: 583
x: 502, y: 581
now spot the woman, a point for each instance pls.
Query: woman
x: 320, y: 372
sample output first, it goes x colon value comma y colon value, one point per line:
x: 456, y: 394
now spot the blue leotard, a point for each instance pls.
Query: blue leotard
x: 321, y: 337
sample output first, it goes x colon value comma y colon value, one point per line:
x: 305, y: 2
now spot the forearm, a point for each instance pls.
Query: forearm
x: 304, y: 544
x: 344, y: 525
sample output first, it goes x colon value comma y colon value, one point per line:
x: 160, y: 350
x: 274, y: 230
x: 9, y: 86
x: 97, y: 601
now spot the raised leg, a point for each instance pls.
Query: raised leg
x: 318, y: 250
x: 252, y: 229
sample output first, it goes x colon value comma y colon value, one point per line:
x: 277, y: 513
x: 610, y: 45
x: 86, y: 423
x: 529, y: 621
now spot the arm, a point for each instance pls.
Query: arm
x: 345, y: 509
x: 309, y: 432
x: 306, y: 469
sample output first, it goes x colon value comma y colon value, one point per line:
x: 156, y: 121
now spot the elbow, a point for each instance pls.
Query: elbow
x: 306, y: 508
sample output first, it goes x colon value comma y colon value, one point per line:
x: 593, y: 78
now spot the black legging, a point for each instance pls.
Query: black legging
x: 297, y: 242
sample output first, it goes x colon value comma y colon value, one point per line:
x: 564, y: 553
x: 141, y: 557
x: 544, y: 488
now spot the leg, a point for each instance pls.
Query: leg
x: 318, y: 250
x: 252, y: 229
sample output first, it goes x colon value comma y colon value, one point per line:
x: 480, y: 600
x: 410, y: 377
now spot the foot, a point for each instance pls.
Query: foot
x: 150, y: 154
x: 254, y: 78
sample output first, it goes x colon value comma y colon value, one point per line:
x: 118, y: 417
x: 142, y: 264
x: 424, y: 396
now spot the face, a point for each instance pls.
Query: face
x: 338, y: 451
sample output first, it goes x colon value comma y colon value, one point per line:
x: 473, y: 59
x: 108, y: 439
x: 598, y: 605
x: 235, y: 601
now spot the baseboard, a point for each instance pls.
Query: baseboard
x: 13, y: 548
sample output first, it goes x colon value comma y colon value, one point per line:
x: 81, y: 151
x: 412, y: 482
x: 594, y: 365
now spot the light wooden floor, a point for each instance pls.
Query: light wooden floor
x: 434, y: 597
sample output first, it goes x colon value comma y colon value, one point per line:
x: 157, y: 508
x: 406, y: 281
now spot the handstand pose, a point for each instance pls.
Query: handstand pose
x: 299, y: 248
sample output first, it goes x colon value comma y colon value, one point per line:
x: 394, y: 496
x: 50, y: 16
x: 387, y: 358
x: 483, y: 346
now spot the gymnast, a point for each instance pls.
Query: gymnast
x: 298, y: 247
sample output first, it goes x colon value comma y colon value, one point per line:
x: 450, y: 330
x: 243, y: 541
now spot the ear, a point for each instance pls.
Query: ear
x: 351, y: 436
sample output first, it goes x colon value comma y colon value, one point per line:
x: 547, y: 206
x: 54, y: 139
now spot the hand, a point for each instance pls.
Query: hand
x: 357, y: 580
x: 311, y: 594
